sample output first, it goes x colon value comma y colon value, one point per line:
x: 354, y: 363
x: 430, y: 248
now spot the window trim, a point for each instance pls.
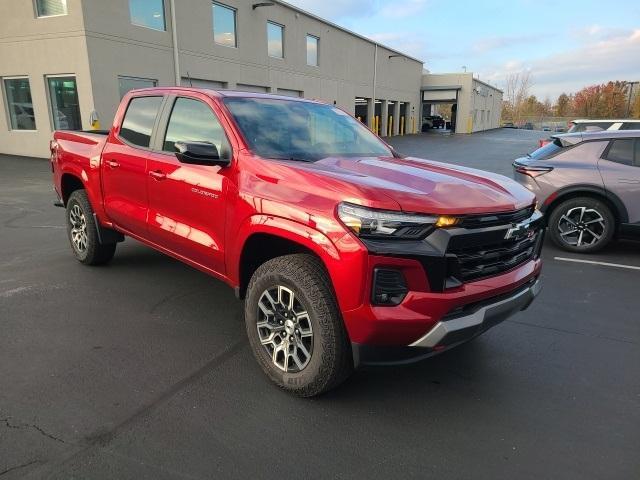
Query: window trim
x: 165, y: 118
x: 35, y: 9
x: 235, y: 25
x: 282, y: 29
x: 5, y: 99
x: 48, y: 92
x: 154, y: 128
x: 309, y: 35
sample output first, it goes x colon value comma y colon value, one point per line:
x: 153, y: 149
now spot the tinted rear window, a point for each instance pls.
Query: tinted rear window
x: 139, y: 119
x: 621, y: 151
x: 549, y: 150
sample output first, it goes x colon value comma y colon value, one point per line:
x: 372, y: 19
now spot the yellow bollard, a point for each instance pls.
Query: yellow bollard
x: 402, y: 126
x: 413, y: 125
x: 377, y: 125
x: 390, y: 129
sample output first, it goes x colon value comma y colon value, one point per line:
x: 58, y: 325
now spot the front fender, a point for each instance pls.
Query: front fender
x: 344, y: 258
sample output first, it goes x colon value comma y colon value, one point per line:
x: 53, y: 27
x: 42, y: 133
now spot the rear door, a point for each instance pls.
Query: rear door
x: 620, y: 169
x: 187, y: 202
x: 124, y: 165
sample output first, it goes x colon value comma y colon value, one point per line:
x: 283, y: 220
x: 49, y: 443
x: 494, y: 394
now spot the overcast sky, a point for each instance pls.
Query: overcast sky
x: 566, y: 45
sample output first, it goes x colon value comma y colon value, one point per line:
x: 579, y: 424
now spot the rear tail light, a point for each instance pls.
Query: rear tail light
x: 531, y: 171
x: 389, y: 287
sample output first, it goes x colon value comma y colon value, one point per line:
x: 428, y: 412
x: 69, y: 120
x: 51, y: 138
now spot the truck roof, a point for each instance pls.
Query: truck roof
x: 222, y: 93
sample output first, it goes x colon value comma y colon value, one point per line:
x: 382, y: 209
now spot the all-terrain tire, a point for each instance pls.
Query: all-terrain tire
x: 330, y: 361
x: 83, y: 234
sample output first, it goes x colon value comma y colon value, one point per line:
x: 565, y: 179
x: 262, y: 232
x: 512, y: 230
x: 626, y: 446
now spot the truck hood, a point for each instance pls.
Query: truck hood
x: 424, y: 186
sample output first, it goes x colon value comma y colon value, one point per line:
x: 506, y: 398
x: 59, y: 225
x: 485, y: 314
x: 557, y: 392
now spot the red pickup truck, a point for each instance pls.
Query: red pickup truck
x: 345, y: 252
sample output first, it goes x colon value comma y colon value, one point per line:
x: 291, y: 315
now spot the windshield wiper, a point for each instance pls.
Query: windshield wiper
x: 293, y: 159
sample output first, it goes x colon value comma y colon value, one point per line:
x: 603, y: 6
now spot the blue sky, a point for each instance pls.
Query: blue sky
x: 566, y: 45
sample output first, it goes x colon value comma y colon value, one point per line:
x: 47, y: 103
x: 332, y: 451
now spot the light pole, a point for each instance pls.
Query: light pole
x: 631, y: 84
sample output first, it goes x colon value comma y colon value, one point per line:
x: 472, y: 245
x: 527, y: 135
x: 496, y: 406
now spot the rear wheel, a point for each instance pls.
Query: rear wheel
x: 83, y: 234
x: 582, y: 225
x: 294, y: 326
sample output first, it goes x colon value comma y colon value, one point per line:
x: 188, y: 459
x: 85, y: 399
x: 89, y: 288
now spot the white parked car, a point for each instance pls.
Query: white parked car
x: 586, y: 125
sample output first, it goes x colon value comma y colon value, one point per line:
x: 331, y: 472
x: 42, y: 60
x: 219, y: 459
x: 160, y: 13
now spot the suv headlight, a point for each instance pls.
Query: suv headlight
x: 368, y: 222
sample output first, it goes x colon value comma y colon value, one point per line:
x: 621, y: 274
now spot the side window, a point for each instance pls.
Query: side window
x: 630, y: 126
x: 139, y: 119
x: 621, y: 151
x: 194, y: 121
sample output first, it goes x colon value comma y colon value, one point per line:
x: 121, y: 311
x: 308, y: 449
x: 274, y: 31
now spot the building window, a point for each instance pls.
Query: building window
x: 224, y: 25
x: 19, y: 105
x: 139, y: 119
x: 126, y: 84
x: 51, y: 8
x: 312, y: 50
x: 275, y: 40
x: 148, y: 13
x: 63, y: 99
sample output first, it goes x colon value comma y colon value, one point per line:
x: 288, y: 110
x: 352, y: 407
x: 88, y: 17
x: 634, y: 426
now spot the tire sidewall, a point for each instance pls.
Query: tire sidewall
x: 76, y: 199
x: 597, y: 205
x: 322, y: 338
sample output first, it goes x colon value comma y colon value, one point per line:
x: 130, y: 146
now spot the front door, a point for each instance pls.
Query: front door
x: 187, y: 202
x: 124, y: 166
x: 620, y: 170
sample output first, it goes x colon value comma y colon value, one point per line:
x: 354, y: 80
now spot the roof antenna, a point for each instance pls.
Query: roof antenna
x: 190, y: 82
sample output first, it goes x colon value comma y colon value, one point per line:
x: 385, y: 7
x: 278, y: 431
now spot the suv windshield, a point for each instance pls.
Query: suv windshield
x: 304, y: 131
x: 547, y: 151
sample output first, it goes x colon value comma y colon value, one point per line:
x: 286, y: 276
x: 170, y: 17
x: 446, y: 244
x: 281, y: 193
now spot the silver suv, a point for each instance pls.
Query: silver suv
x: 588, y: 185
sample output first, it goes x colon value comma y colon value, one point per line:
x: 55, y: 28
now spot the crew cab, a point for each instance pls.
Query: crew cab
x: 345, y: 252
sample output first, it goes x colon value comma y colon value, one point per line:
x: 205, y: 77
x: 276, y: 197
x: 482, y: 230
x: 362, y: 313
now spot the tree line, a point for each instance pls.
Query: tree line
x: 614, y: 99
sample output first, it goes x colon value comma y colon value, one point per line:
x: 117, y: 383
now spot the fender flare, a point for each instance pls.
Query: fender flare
x: 291, y: 230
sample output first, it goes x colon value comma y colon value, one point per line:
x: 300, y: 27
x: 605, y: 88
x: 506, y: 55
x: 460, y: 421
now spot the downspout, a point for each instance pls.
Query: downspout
x: 174, y: 38
x: 375, y: 76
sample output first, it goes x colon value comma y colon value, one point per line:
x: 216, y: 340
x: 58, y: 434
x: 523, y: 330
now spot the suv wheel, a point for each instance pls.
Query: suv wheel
x: 294, y: 326
x: 582, y: 225
x: 83, y: 234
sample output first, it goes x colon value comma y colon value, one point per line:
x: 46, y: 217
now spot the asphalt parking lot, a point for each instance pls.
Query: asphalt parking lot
x: 141, y: 369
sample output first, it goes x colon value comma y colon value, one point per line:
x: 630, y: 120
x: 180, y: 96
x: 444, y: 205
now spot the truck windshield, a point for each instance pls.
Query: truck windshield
x: 304, y: 131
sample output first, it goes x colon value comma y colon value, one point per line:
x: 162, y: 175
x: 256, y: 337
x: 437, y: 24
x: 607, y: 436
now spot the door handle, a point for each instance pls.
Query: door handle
x: 158, y: 175
x: 112, y: 164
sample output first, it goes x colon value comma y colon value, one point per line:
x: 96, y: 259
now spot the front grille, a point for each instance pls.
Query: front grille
x: 481, y: 221
x: 491, y: 259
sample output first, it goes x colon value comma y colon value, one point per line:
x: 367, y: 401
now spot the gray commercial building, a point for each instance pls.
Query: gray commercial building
x: 64, y: 62
x: 476, y: 105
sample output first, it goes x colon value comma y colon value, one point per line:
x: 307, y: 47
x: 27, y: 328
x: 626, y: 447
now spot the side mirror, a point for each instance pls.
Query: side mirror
x: 199, y: 153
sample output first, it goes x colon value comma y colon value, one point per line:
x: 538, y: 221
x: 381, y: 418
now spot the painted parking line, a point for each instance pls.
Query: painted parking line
x: 592, y: 262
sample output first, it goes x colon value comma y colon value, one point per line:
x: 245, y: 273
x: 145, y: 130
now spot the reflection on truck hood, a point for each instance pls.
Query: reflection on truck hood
x: 424, y: 186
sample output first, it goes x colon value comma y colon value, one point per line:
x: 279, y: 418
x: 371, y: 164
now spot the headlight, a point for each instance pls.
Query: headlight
x: 367, y: 222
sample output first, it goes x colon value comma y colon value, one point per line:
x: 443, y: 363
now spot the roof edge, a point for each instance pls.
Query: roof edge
x: 346, y: 30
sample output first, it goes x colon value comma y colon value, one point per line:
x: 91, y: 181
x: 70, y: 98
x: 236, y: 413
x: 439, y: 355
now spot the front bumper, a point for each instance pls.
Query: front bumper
x: 455, y: 328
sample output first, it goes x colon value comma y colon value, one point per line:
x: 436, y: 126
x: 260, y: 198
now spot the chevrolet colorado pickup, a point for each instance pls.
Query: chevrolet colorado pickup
x: 345, y: 252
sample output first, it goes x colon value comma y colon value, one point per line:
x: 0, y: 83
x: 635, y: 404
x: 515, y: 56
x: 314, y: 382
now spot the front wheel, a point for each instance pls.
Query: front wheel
x: 582, y: 225
x: 83, y: 234
x: 294, y: 326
